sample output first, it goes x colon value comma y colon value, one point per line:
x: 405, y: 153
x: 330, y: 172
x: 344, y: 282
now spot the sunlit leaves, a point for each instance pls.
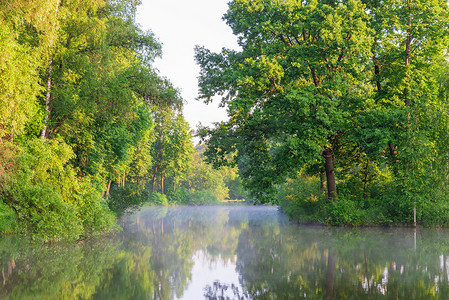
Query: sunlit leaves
x: 19, y: 84
x: 292, y: 89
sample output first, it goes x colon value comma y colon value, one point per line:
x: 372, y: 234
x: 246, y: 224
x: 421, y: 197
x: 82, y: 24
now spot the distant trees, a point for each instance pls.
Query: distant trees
x: 173, y: 149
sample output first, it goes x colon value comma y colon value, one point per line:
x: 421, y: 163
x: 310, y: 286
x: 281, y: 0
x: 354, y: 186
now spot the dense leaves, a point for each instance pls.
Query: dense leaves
x: 80, y: 110
x: 350, y: 91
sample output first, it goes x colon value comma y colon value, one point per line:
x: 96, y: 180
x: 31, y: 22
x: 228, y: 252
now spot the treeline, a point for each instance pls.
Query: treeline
x: 338, y: 109
x: 200, y: 184
x: 82, y: 115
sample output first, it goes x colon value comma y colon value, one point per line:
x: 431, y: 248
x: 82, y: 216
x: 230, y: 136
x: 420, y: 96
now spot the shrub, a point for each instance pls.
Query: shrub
x: 8, y: 219
x: 125, y: 198
x: 203, y: 197
x: 179, y: 196
x: 159, y: 199
x: 345, y: 212
x: 49, y: 200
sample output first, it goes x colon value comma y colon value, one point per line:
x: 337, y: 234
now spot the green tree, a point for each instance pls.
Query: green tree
x: 79, y: 74
x: 292, y: 90
x: 406, y: 119
x: 181, y: 148
x: 204, y: 178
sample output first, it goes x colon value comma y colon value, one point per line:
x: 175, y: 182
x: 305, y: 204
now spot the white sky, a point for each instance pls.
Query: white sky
x: 180, y: 25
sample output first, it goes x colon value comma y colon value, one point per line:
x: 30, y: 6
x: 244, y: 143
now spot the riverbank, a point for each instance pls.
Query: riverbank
x: 347, y: 212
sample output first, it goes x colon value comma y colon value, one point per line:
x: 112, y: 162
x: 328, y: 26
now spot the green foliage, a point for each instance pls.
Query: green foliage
x: 236, y: 189
x: 292, y: 90
x: 159, y: 199
x: 355, y: 91
x: 19, y: 84
x: 180, y: 196
x: 49, y: 200
x: 83, y: 71
x: 204, y: 177
x: 93, y: 210
x: 173, y: 148
x: 125, y: 198
x: 8, y: 219
x: 202, y: 197
x: 302, y: 199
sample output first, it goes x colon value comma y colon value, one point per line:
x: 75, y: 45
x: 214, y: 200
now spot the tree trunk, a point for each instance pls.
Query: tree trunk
x: 330, y: 175
x: 154, y: 179
x: 365, y: 180
x: 408, y: 47
x: 45, y: 131
x: 376, y: 69
x: 162, y: 183
x: 108, y: 189
x: 323, y: 180
x: 377, y: 75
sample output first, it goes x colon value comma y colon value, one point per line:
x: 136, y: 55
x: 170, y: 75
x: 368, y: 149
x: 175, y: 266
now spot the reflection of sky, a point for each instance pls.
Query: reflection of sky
x: 206, y: 271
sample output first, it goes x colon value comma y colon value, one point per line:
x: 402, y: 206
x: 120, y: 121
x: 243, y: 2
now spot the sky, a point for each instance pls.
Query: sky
x: 179, y: 26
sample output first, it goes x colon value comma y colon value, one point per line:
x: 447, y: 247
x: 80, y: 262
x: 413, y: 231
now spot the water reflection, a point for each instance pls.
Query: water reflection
x: 230, y: 253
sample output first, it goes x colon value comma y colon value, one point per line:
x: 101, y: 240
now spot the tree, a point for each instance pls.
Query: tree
x: 181, y: 150
x: 204, y: 178
x: 292, y: 90
x: 27, y: 32
x: 173, y: 148
x: 79, y: 74
x: 406, y: 119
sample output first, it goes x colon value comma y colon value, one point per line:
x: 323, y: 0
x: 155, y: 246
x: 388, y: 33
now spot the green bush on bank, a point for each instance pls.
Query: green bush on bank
x: 128, y: 198
x: 303, y: 200
x: 48, y: 200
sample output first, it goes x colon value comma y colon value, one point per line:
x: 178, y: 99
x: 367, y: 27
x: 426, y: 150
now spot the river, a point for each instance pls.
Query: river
x: 230, y: 252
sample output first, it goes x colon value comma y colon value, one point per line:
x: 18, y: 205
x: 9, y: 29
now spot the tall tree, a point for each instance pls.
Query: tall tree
x: 402, y: 121
x: 292, y: 89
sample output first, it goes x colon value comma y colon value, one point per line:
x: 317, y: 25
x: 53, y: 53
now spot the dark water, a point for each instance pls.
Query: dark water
x: 230, y: 253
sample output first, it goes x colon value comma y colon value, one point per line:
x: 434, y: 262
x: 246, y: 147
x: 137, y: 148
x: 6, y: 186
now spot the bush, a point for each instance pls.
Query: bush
x: 203, y: 197
x: 49, y: 200
x: 159, y: 199
x: 179, y: 196
x: 345, y: 212
x: 8, y: 219
x: 42, y: 212
x: 434, y: 213
x: 126, y: 198
x: 94, y: 212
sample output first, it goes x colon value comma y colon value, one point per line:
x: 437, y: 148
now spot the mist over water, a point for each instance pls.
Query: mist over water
x: 230, y: 252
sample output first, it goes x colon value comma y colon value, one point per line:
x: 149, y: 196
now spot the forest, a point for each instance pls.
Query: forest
x: 338, y: 109
x: 88, y: 128
x: 338, y: 113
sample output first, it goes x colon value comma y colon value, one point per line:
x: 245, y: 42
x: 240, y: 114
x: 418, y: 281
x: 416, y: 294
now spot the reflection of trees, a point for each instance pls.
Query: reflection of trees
x: 35, y: 271
x: 332, y: 263
x: 160, y: 244
x: 152, y: 258
x: 221, y: 291
x: 155, y: 262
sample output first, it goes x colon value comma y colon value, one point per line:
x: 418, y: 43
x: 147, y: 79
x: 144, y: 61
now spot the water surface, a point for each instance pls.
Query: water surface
x: 230, y: 252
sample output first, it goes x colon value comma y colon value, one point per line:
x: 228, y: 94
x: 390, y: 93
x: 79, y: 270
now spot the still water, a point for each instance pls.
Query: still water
x: 230, y: 252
